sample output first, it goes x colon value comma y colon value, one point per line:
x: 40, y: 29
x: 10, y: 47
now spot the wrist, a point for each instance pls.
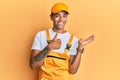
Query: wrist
x: 49, y: 47
x: 80, y: 50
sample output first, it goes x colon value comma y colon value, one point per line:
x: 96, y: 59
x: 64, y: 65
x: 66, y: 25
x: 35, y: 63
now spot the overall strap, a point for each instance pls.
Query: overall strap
x: 69, y: 42
x: 47, y: 35
x: 68, y: 46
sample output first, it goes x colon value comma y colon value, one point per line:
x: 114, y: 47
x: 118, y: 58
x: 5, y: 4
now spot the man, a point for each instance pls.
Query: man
x: 56, y: 52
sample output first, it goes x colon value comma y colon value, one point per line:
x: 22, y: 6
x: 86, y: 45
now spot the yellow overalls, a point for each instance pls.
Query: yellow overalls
x: 56, y: 65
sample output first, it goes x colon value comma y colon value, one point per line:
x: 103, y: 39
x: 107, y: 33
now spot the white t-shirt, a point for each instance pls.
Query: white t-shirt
x: 40, y: 41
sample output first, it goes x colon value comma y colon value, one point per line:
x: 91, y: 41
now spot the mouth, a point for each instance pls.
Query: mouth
x: 61, y: 23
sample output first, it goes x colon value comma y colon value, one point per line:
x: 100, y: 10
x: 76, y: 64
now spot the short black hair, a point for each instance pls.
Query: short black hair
x: 55, y: 13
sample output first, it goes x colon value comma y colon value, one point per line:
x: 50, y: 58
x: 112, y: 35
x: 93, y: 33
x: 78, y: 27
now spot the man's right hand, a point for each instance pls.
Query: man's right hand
x: 55, y: 43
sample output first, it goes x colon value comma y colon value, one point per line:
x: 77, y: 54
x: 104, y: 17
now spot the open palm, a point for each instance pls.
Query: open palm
x: 82, y: 43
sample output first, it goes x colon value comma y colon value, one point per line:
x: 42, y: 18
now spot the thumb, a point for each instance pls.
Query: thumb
x: 80, y: 43
x: 81, y: 40
x: 55, y: 36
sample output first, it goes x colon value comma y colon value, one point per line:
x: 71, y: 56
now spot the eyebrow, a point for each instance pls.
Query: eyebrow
x: 59, y: 14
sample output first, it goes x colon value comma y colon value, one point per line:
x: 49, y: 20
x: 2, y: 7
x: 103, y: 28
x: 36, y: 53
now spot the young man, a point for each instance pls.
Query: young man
x: 56, y: 52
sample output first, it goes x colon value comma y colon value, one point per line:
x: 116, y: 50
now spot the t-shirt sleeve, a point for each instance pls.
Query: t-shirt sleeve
x: 74, y: 46
x: 37, y: 42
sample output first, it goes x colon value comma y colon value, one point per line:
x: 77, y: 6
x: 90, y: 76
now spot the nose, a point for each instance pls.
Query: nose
x: 61, y: 18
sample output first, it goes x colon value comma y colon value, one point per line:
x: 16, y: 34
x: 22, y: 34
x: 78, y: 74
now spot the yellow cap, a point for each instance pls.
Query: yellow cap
x: 59, y: 7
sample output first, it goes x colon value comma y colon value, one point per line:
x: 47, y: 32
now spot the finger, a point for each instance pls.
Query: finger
x: 55, y: 36
x: 89, y: 38
x: 92, y: 37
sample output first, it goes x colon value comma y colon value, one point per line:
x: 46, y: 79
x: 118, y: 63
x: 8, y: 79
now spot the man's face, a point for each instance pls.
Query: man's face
x: 59, y: 19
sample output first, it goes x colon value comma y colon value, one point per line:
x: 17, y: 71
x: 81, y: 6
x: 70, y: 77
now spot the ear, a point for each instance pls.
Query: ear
x: 51, y: 17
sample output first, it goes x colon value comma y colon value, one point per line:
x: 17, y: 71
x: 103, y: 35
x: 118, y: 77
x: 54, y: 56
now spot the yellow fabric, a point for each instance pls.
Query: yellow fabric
x: 69, y: 44
x: 54, y: 68
x: 70, y: 40
x: 47, y: 35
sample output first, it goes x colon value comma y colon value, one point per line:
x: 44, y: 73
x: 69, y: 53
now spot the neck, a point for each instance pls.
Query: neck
x: 58, y: 30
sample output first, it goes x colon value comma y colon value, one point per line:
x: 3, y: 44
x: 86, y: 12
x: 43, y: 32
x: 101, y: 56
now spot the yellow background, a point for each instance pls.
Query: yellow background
x: 20, y: 20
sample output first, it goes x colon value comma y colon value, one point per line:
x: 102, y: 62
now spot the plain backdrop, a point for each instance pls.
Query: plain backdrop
x: 20, y: 20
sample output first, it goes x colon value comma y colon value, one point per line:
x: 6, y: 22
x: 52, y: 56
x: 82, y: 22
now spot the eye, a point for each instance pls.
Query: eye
x: 56, y: 15
x: 65, y: 15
